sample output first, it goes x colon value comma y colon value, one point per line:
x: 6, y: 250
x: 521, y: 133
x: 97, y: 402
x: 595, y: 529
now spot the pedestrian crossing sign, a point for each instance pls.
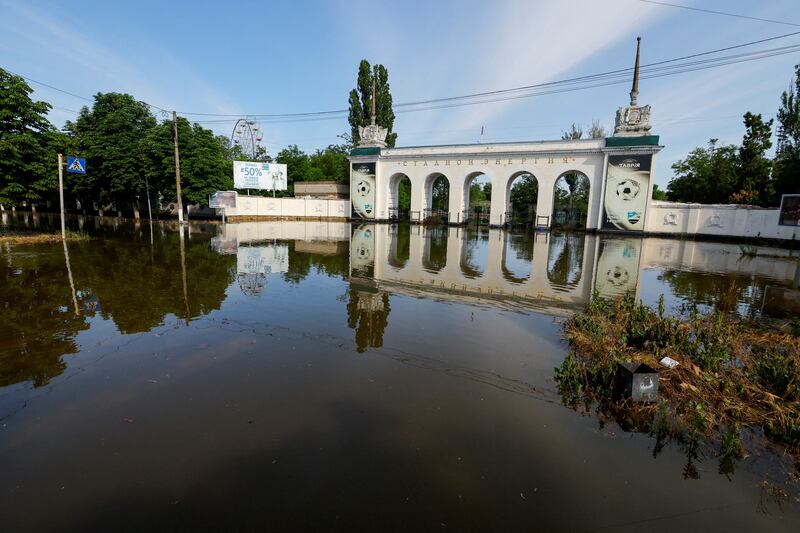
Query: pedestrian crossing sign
x: 76, y: 165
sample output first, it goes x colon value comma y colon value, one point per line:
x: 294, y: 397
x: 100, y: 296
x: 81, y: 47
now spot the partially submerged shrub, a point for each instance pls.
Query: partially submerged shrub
x: 734, y: 374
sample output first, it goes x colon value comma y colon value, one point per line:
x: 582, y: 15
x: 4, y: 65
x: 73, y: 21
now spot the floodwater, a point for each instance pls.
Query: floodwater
x: 327, y: 376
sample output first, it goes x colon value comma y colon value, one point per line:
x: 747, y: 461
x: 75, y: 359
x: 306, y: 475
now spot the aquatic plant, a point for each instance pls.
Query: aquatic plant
x: 734, y: 375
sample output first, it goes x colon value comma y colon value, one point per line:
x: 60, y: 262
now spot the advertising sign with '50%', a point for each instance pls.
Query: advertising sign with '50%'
x: 258, y: 175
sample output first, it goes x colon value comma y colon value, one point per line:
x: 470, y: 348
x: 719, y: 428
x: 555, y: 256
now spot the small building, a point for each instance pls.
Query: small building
x: 321, y: 189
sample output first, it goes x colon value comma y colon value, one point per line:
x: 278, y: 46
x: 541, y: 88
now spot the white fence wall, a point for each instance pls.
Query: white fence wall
x: 296, y: 230
x: 261, y: 206
x: 719, y: 220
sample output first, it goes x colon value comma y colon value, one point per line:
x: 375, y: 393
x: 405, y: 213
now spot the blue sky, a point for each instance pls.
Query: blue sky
x: 284, y: 57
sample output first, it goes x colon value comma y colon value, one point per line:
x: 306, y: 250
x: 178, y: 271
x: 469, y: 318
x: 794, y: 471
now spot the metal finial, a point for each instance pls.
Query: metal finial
x: 635, y: 88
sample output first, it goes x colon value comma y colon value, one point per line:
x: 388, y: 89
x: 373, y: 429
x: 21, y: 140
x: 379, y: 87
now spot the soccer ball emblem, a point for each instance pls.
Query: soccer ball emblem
x: 627, y: 189
x: 362, y: 188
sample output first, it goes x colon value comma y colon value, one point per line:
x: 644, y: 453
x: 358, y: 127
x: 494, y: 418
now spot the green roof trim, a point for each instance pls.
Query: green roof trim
x: 619, y: 142
x: 367, y: 150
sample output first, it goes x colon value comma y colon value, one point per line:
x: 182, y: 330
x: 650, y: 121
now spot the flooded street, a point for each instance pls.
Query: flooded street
x: 328, y: 376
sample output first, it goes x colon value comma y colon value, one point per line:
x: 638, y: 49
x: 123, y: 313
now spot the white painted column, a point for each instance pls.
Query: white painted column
x: 544, y: 200
x: 601, y: 200
x: 417, y: 197
x: 455, y: 204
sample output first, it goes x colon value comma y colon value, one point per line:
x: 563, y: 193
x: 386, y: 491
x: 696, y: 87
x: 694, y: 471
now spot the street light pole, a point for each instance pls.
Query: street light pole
x: 177, y: 166
x: 61, y: 195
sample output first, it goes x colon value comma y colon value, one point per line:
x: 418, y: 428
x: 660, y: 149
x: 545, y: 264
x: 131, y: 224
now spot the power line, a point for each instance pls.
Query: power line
x: 658, y: 69
x: 43, y: 84
x: 723, y: 13
x: 590, y: 77
x: 543, y: 89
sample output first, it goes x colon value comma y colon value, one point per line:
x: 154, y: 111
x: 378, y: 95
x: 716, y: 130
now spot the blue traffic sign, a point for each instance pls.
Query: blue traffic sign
x: 76, y: 165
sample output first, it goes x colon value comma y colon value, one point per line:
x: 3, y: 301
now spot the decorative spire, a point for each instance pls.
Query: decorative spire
x: 633, y: 120
x: 372, y: 135
x: 635, y: 88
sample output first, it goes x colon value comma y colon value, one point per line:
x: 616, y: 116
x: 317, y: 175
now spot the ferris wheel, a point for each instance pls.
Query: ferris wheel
x: 246, y: 135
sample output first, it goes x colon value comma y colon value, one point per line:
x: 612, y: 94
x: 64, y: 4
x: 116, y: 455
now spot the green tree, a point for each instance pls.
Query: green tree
x: 330, y: 164
x: 786, y: 173
x: 440, y: 193
x: 707, y: 175
x: 360, y: 101
x: 596, y: 130
x: 754, y: 169
x: 524, y: 195
x: 476, y: 193
x: 296, y: 162
x: 487, y: 190
x: 28, y: 144
x: 574, y: 133
x: 109, y: 135
x: 658, y: 194
x: 205, y: 167
x: 404, y: 194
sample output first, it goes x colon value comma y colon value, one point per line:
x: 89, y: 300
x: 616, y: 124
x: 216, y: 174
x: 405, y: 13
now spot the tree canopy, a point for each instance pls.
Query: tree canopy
x: 361, y: 101
x: 745, y: 174
x: 28, y: 144
x: 128, y: 152
x: 786, y: 170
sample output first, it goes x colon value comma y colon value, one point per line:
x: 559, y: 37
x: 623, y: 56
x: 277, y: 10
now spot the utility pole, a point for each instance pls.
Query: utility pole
x: 61, y: 195
x: 177, y: 166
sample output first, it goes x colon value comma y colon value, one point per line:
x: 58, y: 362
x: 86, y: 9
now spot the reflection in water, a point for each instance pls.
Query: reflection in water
x: 559, y: 272
x: 368, y: 314
x: 435, y: 257
x: 114, y: 279
x: 470, y: 253
x: 565, y: 259
x: 518, y: 256
x: 401, y: 242
x: 618, y: 267
x: 408, y: 428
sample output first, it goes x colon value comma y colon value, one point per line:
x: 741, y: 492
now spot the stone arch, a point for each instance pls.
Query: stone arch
x: 430, y: 210
x: 571, y: 196
x: 396, y: 208
x: 525, y: 215
x: 565, y: 260
x: 465, y: 195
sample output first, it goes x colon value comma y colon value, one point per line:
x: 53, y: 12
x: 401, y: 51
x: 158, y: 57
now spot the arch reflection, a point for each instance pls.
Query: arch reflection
x: 565, y: 260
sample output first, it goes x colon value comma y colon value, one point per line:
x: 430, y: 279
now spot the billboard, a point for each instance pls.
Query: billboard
x: 256, y: 175
x: 790, y: 210
x: 222, y: 200
x: 627, y: 188
x: 268, y: 259
x: 362, y: 189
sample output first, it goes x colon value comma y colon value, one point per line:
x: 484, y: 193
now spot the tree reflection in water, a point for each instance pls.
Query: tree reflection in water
x: 400, y: 251
x: 565, y: 260
x: 473, y: 240
x: 116, y: 279
x: 435, y: 257
x: 517, y: 269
